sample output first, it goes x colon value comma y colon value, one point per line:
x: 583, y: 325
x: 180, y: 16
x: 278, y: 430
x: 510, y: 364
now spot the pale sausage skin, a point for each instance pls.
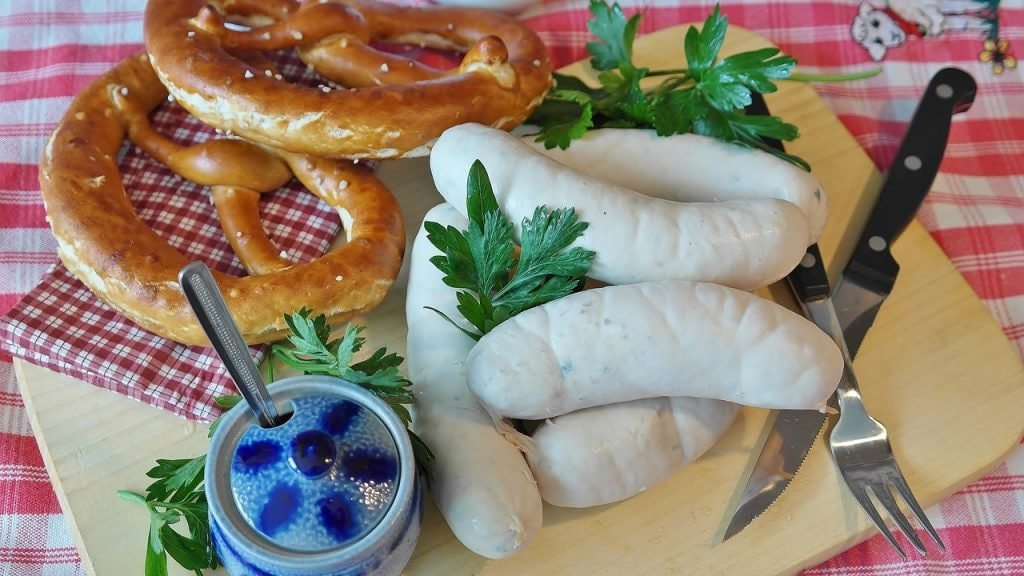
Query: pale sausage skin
x: 669, y: 338
x: 744, y: 244
x: 589, y: 457
x: 482, y: 484
x: 692, y: 168
x: 609, y: 453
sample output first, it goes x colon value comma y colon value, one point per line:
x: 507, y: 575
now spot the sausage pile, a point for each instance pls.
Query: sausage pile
x: 628, y: 382
x: 212, y: 59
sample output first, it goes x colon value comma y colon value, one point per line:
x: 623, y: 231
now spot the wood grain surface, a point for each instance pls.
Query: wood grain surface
x: 935, y: 368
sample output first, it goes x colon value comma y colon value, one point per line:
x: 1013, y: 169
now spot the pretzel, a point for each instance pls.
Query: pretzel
x: 393, y: 107
x: 126, y: 264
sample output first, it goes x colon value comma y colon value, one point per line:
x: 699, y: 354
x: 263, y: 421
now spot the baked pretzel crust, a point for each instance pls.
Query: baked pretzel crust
x: 125, y: 263
x: 378, y: 121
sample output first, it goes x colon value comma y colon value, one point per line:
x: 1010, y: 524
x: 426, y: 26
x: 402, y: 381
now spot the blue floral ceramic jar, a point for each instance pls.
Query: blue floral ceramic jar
x: 331, y: 491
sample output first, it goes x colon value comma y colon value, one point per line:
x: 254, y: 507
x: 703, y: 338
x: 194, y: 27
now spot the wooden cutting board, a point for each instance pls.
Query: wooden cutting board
x: 935, y: 368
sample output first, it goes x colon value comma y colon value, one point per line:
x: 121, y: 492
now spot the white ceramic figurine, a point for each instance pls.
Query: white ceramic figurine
x: 879, y: 28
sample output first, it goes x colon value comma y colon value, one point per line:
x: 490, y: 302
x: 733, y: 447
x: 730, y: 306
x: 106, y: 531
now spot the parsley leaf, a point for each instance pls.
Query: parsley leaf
x: 707, y: 97
x: 730, y: 83
x: 615, y: 34
x: 634, y: 105
x: 176, y: 494
x: 493, y: 279
x: 571, y: 113
x: 755, y: 69
x: 674, y: 112
x: 701, y: 46
x: 750, y: 131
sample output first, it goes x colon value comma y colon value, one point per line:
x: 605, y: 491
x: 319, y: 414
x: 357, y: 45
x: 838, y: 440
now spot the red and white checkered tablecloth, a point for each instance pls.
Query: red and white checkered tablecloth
x: 50, y: 49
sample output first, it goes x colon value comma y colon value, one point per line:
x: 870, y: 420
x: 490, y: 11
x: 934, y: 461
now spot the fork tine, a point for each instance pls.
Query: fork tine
x: 901, y: 486
x: 860, y: 493
x: 884, y: 495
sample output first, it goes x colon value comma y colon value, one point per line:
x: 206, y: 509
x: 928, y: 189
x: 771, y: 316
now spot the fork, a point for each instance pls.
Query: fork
x: 862, y: 452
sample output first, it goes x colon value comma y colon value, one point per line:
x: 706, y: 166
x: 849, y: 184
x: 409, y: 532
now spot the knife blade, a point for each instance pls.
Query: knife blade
x: 791, y: 433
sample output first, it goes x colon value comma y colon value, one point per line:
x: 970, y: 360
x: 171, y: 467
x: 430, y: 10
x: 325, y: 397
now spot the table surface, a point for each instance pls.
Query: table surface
x: 51, y: 48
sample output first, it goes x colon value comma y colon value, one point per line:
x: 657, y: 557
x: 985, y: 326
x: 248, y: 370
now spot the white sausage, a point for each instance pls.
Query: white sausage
x: 745, y: 244
x: 609, y: 453
x: 482, y: 484
x: 691, y: 168
x: 669, y: 338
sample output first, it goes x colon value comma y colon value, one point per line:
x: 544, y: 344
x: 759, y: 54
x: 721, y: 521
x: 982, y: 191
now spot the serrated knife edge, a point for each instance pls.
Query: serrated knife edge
x: 775, y: 468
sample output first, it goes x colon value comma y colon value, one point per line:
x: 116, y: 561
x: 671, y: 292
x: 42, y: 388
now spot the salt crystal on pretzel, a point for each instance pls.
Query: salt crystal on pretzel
x: 125, y: 263
x: 394, y: 107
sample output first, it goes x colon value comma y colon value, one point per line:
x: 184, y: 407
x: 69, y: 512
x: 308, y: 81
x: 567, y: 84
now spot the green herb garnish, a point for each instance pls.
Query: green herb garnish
x: 177, y: 493
x: 493, y: 279
x: 707, y: 97
x: 314, y: 352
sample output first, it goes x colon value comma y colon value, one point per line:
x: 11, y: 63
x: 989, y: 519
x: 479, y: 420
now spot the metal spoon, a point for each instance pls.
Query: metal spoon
x: 212, y: 312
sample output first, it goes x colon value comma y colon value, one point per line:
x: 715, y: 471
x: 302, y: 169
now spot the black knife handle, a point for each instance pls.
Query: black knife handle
x: 809, y: 280
x: 913, y: 171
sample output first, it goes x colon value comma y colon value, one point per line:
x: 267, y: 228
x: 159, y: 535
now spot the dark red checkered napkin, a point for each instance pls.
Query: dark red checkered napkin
x: 62, y: 326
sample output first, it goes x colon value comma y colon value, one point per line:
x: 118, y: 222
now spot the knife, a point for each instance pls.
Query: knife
x: 871, y: 272
x: 865, y: 282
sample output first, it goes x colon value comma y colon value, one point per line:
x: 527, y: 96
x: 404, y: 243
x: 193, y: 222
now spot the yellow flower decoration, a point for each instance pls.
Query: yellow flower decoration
x: 996, y: 52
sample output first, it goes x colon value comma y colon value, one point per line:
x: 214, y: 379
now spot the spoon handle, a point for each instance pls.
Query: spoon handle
x: 213, y: 315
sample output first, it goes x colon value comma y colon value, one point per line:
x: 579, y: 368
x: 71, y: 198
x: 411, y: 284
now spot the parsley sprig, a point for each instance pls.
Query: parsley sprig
x: 707, y: 97
x: 313, y: 352
x: 495, y: 278
x: 177, y: 492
